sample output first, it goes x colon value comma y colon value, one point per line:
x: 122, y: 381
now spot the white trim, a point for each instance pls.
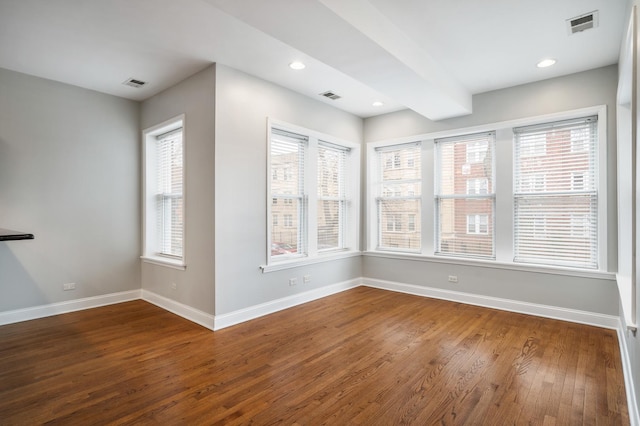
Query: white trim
x: 521, y: 267
x: 148, y: 213
x: 308, y: 223
x: 501, y: 228
x: 627, y: 370
x: 252, y: 312
x: 553, y: 312
x: 187, y: 312
x: 326, y: 257
x: 42, y: 311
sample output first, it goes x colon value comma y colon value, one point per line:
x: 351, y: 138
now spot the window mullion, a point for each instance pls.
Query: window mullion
x: 311, y: 195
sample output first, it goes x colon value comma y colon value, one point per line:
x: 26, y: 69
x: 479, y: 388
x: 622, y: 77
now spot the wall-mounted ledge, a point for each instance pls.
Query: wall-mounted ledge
x: 9, y: 235
x: 601, y: 275
x: 328, y: 257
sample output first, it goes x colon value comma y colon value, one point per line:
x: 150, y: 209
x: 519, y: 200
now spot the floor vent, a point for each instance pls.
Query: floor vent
x: 134, y: 82
x: 329, y: 94
x: 582, y: 22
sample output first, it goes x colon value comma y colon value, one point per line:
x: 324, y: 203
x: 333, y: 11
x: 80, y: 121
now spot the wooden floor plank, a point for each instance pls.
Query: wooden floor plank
x: 364, y: 356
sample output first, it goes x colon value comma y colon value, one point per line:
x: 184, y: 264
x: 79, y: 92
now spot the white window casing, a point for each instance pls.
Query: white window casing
x: 533, y: 183
x: 568, y: 204
x: 313, y: 187
x: 163, y: 194
x: 398, y: 197
x: 465, y: 195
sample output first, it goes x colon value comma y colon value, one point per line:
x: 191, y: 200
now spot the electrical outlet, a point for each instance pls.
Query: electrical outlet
x: 174, y: 286
x: 68, y: 286
x: 293, y: 281
x: 306, y: 279
x: 453, y: 278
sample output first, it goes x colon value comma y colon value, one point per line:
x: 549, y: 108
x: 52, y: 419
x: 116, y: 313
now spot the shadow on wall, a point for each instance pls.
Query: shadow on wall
x: 17, y: 287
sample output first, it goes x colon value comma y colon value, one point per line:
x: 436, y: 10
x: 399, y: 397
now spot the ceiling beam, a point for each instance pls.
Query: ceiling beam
x: 356, y: 39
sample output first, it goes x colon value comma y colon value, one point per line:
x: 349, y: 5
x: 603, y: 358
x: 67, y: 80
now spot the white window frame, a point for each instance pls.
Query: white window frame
x: 552, y: 254
x: 378, y: 165
x: 350, y: 228
x: 504, y: 196
x: 488, y: 145
x: 149, y: 194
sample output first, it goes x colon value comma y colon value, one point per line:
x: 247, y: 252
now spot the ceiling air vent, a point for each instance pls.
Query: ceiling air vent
x: 582, y: 22
x: 134, y: 83
x: 329, y: 94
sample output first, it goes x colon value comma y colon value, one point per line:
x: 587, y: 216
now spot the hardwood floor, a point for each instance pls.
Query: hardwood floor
x: 364, y: 356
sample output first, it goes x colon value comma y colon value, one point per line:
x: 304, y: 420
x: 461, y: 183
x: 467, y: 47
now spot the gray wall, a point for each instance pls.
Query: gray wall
x: 590, y: 88
x: 69, y: 173
x: 243, y: 104
x: 194, y: 97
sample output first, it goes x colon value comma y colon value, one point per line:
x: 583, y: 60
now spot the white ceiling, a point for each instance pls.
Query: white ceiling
x: 427, y: 55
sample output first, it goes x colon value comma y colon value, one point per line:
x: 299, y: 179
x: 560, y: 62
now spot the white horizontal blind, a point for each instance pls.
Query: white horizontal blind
x: 465, y: 195
x: 399, y: 197
x: 170, y: 205
x: 288, y: 203
x: 556, y: 193
x: 332, y: 201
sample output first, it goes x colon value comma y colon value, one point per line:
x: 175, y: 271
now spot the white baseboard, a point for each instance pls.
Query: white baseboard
x: 554, y: 312
x: 632, y: 402
x: 252, y: 312
x: 35, y: 312
x: 185, y: 311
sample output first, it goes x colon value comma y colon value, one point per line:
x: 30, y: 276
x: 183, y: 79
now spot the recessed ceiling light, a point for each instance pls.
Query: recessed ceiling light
x: 546, y: 63
x: 377, y: 104
x: 297, y: 65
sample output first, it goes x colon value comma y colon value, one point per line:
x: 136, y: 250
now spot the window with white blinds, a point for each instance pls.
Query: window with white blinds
x: 163, y: 238
x: 170, y: 205
x: 312, y: 203
x: 399, y: 197
x: 331, y: 195
x: 288, y: 237
x: 556, y: 193
x: 465, y: 195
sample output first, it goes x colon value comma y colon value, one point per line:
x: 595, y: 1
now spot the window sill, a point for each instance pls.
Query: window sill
x: 295, y: 263
x: 573, y: 272
x: 162, y: 261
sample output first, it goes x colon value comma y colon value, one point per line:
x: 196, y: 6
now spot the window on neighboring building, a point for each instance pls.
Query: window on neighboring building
x: 164, y: 210
x: 411, y: 222
x: 399, y: 196
x: 475, y: 151
x: 477, y: 186
x: 477, y: 224
x: 318, y: 206
x: 532, y: 146
x: 464, y: 196
x: 568, y: 205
